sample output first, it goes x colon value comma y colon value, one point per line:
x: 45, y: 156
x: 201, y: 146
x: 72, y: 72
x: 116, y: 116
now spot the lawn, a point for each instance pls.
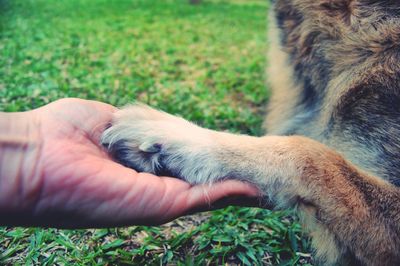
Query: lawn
x: 203, y: 62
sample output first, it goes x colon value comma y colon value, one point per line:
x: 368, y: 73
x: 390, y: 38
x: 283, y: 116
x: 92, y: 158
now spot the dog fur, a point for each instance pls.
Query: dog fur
x: 332, y: 148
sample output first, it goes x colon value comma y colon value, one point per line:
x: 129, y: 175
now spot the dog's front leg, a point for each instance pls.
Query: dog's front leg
x: 349, y: 213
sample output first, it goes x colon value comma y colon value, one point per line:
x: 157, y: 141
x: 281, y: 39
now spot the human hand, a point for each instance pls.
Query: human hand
x: 65, y: 179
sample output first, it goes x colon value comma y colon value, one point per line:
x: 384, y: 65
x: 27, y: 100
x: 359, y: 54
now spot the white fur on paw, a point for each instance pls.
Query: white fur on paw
x: 153, y: 141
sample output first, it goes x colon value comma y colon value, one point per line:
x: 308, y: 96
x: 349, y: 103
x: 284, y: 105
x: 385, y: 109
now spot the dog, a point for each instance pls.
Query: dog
x: 332, y: 147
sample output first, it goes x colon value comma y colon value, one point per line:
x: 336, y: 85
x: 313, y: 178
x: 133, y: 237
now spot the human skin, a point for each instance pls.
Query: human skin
x: 54, y: 173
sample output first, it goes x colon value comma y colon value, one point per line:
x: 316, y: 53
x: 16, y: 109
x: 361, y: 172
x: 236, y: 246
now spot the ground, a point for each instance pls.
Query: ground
x: 204, y: 62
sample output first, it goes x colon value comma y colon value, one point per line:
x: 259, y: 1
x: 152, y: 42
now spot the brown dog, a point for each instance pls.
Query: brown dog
x: 333, y: 146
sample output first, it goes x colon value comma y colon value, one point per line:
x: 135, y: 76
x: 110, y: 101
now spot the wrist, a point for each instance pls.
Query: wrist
x: 19, y: 153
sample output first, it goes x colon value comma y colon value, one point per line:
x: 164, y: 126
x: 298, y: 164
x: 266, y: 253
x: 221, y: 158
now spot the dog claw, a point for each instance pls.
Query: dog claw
x: 150, y: 147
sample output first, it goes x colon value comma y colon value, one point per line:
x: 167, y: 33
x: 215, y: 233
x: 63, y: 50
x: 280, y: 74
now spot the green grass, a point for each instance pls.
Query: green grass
x: 203, y: 62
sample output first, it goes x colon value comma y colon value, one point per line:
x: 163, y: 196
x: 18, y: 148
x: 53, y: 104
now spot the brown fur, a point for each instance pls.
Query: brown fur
x: 348, y: 52
x: 334, y: 68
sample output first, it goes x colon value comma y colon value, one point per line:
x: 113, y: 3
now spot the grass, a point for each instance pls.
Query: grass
x: 203, y: 62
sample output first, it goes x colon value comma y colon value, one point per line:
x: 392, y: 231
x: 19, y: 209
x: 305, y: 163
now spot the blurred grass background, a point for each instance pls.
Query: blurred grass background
x: 204, y: 62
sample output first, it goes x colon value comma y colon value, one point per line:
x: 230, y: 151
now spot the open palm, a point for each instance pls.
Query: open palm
x: 78, y: 185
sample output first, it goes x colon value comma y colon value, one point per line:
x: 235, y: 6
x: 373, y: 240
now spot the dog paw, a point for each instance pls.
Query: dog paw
x: 153, y: 141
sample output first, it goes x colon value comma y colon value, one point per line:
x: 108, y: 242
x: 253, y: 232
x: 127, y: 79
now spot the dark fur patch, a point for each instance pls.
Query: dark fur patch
x: 345, y: 56
x: 327, y: 38
x: 372, y: 115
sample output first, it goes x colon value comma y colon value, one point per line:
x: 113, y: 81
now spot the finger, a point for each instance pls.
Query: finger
x: 91, y: 103
x: 229, y: 188
x: 241, y: 201
x: 208, y: 197
x: 116, y: 195
x: 85, y: 116
x: 102, y: 117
